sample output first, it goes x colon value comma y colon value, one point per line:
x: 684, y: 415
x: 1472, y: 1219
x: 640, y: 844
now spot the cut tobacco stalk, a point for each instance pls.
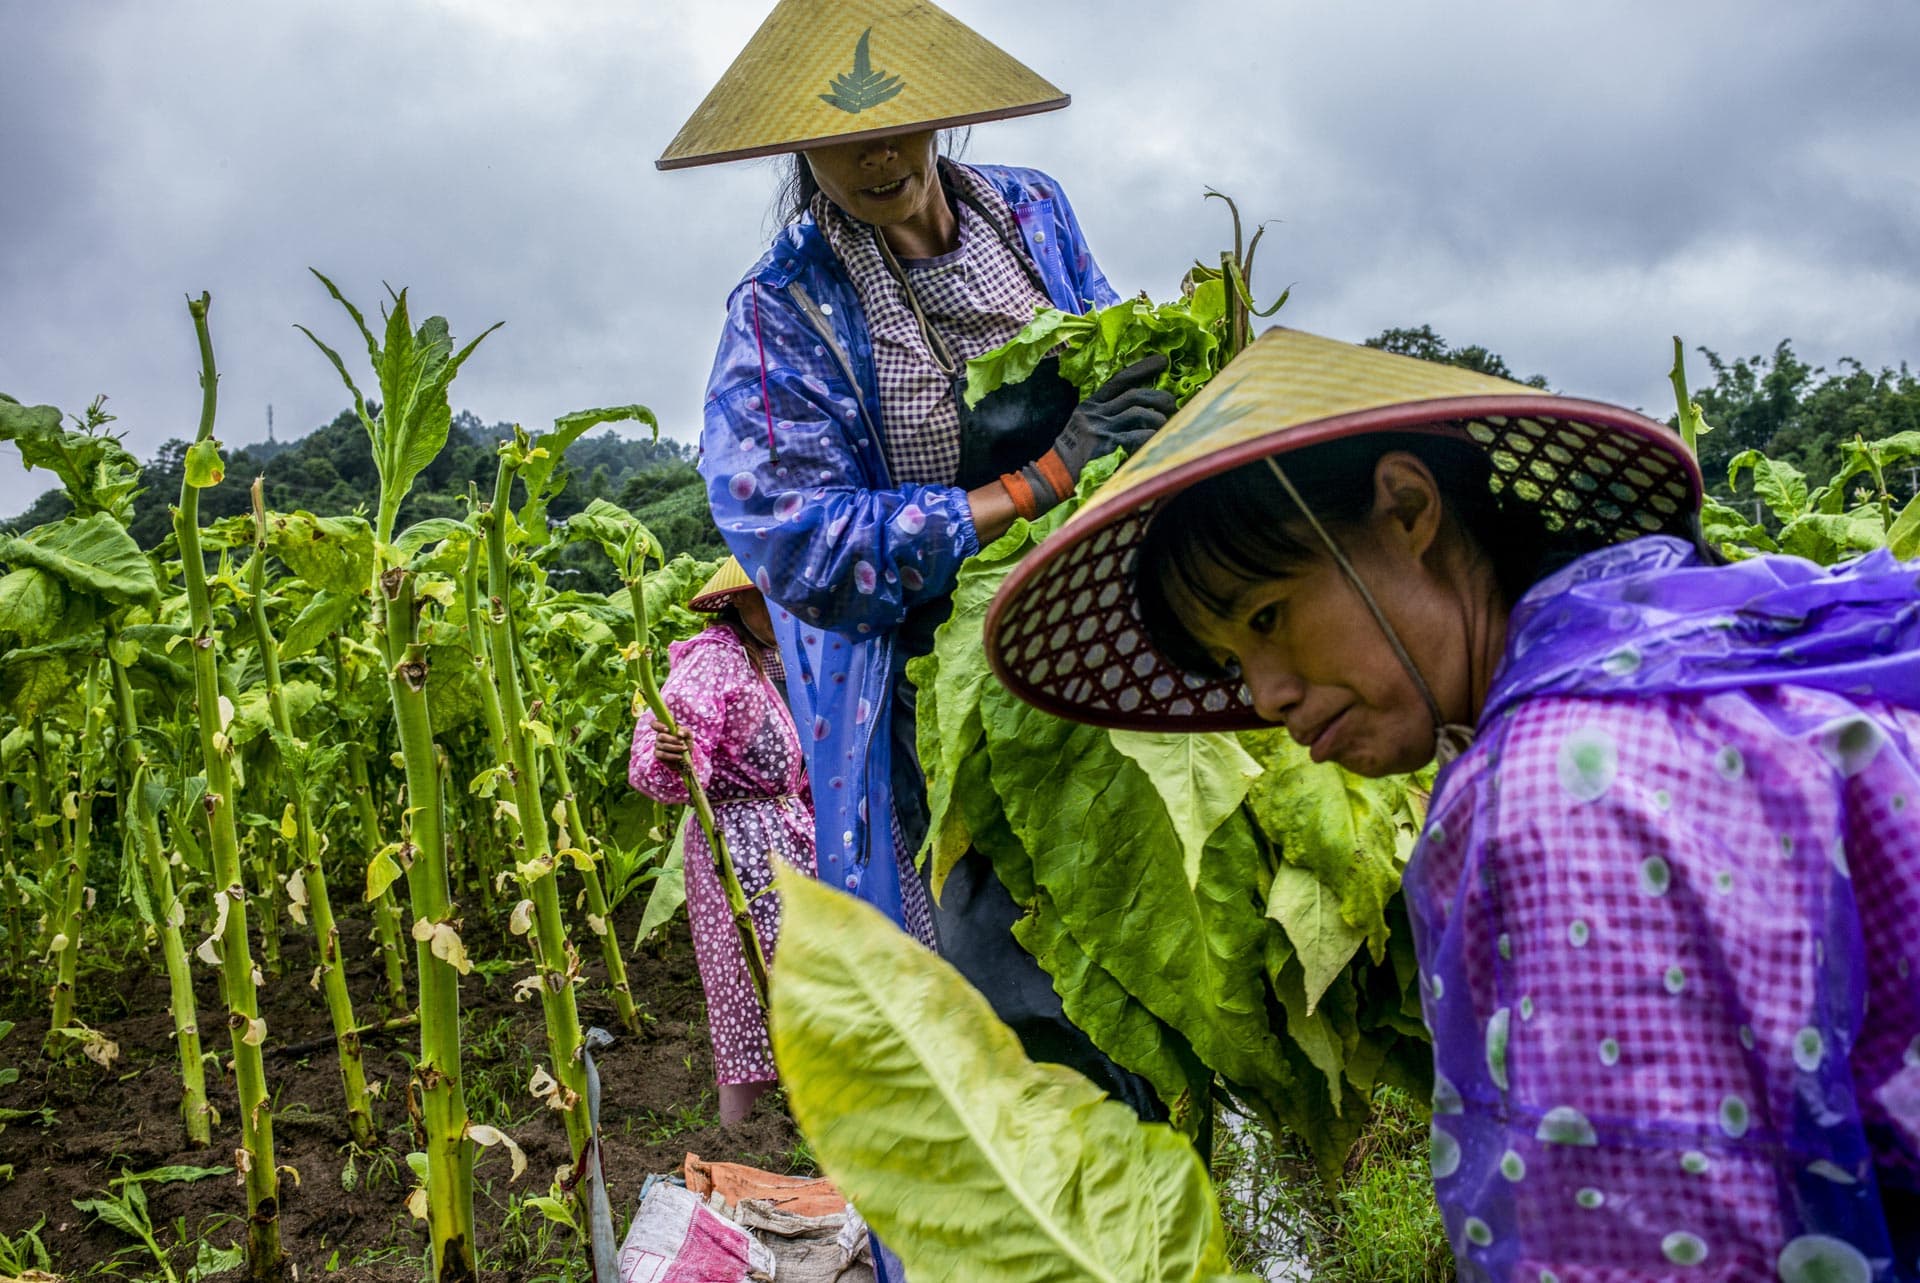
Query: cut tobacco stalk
x: 298, y: 772
x: 265, y: 1259
x: 387, y: 928
x: 596, y: 892
x: 556, y: 962
x: 144, y: 835
x: 78, y: 807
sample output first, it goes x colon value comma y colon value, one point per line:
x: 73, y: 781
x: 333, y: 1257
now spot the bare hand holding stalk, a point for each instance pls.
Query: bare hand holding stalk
x: 671, y: 750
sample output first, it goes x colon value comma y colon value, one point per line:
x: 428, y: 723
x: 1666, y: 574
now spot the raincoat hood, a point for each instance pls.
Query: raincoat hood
x: 1651, y: 616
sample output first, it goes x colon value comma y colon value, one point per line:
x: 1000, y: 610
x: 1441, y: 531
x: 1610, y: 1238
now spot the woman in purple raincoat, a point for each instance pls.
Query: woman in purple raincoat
x: 1667, y: 901
x: 739, y: 740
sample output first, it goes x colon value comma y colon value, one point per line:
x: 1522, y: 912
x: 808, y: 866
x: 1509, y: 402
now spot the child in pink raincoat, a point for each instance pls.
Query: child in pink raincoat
x: 725, y: 691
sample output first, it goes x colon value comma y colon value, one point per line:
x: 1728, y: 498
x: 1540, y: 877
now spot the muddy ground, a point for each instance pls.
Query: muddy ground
x: 344, y: 1217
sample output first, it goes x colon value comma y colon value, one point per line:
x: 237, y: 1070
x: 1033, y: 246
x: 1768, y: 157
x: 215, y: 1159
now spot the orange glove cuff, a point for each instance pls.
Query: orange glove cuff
x: 1024, y: 501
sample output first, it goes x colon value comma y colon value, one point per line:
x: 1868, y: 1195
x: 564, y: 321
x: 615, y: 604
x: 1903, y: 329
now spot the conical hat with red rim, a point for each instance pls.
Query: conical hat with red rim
x: 1064, y: 632
x: 832, y: 71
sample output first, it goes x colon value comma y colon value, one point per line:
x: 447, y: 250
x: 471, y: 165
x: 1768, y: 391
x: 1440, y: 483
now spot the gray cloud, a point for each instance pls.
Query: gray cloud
x: 1568, y: 185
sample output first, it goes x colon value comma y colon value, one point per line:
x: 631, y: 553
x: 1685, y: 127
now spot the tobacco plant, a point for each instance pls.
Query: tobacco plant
x: 414, y: 369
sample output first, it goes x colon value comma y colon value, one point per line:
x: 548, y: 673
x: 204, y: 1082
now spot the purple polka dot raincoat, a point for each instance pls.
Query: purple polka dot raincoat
x: 1668, y: 917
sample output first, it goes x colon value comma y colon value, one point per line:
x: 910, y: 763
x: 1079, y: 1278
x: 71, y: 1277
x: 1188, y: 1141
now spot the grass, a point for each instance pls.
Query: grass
x: 498, y: 1067
x: 657, y: 1129
x: 1379, y: 1225
x: 533, y: 1248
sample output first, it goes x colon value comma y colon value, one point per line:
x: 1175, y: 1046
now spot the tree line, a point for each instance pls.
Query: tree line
x: 331, y: 470
x: 1777, y: 403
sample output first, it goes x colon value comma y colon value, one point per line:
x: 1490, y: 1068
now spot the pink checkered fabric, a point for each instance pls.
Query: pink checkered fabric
x: 976, y: 298
x: 1668, y: 946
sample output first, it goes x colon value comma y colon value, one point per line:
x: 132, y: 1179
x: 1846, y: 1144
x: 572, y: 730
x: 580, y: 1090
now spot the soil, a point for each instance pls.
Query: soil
x: 344, y: 1217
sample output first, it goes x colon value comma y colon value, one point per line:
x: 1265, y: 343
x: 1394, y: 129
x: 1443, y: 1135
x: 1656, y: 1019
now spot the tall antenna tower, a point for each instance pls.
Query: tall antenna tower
x: 269, y: 423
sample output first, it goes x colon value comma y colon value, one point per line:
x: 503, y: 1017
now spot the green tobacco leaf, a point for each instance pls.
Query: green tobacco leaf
x: 619, y: 533
x: 252, y: 715
x: 414, y: 368
x: 1781, y: 486
x: 98, y: 473
x: 917, y: 1101
x: 1116, y: 1021
x: 117, y: 1214
x: 1345, y: 829
x: 1860, y: 456
x: 330, y: 553
x: 431, y: 531
x: 453, y: 687
x: 584, y: 420
x: 669, y: 890
x: 1322, y: 939
x: 210, y: 1262
x: 382, y: 872
x: 1729, y: 530
x: 538, y: 473
x: 1020, y: 356
x: 1312, y: 1033
x: 1104, y: 849
x: 1828, y: 538
x: 1202, y: 779
x: 326, y: 614
x: 673, y: 584
x: 30, y: 427
x: 171, y: 1175
x: 203, y: 465
x: 93, y: 555
x: 951, y: 678
x: 32, y: 604
x: 581, y: 625
x: 1903, y: 537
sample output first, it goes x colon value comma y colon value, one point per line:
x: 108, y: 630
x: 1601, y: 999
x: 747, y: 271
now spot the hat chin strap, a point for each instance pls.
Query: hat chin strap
x: 1450, y: 739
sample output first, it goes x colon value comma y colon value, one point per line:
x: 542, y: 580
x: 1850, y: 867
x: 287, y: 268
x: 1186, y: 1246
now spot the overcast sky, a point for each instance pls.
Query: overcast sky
x: 1566, y: 183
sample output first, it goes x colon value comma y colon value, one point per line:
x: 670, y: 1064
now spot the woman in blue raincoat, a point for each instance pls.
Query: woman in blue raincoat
x: 843, y: 468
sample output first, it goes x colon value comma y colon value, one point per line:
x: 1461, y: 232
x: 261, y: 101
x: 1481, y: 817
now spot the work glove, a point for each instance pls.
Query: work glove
x: 1120, y: 415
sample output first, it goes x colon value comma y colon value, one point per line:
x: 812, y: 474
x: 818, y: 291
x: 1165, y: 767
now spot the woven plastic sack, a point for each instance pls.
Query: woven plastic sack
x: 677, y: 1238
x: 810, y: 1249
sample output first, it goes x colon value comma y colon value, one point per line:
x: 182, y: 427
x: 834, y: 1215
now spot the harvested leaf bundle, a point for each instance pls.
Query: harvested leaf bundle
x: 1207, y: 905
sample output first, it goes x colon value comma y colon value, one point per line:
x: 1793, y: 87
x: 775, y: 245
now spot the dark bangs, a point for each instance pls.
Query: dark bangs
x: 1203, y: 546
x: 1212, y: 539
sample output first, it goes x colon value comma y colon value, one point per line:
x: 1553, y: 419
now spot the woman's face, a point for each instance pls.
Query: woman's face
x: 1315, y: 660
x: 882, y: 181
x: 753, y: 613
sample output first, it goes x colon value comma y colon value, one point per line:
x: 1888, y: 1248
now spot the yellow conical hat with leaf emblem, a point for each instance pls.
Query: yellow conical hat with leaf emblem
x: 727, y: 583
x: 830, y: 71
x: 1065, y: 630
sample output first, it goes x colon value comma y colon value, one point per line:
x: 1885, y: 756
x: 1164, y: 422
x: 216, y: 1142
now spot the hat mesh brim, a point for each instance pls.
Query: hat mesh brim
x: 714, y: 602
x: 1065, y: 631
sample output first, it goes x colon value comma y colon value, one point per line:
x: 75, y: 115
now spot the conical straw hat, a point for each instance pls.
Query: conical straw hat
x: 828, y: 71
x: 727, y: 583
x: 1064, y: 632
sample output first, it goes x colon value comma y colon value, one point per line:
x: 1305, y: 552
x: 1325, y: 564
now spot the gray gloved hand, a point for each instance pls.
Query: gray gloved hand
x: 1120, y: 415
